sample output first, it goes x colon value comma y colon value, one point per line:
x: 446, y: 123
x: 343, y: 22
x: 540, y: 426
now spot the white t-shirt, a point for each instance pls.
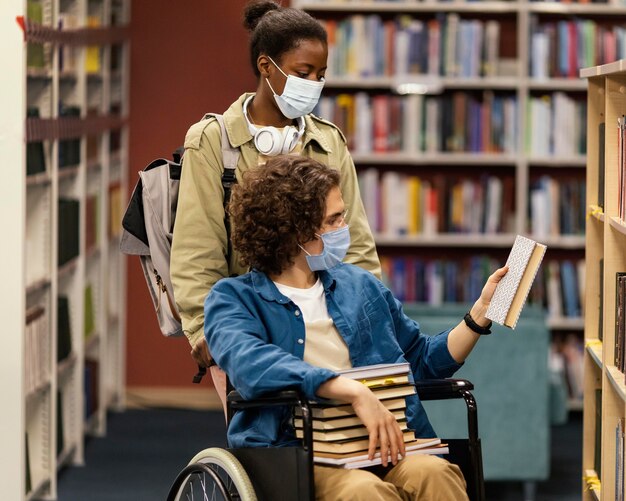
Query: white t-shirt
x: 324, y: 346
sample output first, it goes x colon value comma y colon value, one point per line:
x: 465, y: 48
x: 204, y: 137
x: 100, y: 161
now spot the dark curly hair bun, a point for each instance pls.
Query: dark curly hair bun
x: 255, y: 10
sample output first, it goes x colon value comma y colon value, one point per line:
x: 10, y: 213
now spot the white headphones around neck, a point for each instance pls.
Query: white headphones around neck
x: 271, y: 141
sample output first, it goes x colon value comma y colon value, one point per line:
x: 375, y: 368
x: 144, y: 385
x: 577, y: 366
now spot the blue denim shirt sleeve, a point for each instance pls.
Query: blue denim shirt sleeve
x: 429, y: 356
x: 242, y: 346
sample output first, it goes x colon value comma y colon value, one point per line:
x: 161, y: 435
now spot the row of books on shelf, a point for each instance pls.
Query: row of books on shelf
x: 557, y: 207
x: 621, y: 168
x: 69, y: 216
x: 91, y: 383
x: 64, y: 323
x: 446, y: 45
x: 559, y: 287
x: 92, y: 220
x: 399, y: 204
x: 339, y: 436
x: 39, y: 54
x: 437, y: 281
x: 556, y: 125
x: 480, y: 121
x: 620, y: 451
x: 68, y: 149
x: 558, y: 49
x: 566, y: 361
x: 37, y: 348
x: 620, y: 321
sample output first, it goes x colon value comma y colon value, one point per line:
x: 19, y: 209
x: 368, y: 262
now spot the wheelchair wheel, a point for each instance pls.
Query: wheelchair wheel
x: 213, y: 474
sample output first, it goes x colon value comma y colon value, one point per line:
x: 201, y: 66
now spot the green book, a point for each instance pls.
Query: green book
x: 90, y: 321
x: 35, y: 55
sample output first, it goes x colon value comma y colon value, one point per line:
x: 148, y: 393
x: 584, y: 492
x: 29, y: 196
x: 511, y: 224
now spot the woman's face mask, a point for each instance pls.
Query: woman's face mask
x: 336, y: 244
x: 299, y: 97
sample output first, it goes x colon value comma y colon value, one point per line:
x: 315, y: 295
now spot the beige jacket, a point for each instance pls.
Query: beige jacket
x: 199, y: 248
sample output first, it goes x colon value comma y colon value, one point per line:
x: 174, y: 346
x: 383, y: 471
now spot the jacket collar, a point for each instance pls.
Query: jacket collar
x: 265, y: 288
x: 238, y: 133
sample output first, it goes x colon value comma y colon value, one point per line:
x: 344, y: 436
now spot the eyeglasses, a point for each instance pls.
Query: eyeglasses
x: 337, y: 221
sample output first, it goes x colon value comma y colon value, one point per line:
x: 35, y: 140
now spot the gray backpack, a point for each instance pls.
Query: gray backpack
x: 148, y: 225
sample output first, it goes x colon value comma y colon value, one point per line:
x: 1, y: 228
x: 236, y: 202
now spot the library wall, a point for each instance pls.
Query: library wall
x: 184, y: 62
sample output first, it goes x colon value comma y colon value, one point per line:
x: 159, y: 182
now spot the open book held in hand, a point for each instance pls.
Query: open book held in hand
x: 511, y: 292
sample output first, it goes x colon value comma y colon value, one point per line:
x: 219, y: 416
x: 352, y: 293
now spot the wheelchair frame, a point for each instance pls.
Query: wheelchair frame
x: 296, y: 472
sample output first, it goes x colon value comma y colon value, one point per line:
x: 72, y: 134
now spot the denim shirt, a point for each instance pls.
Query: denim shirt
x: 257, y: 336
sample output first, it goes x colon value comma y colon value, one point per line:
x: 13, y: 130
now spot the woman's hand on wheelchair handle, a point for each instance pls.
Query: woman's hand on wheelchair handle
x: 200, y: 353
x: 384, y: 432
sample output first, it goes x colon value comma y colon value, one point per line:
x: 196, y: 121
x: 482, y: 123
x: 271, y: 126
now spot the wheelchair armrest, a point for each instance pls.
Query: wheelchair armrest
x: 285, y: 397
x: 441, y: 389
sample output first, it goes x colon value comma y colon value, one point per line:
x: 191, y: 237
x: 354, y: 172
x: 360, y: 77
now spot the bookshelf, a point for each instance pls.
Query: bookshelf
x: 604, y: 384
x: 64, y: 131
x: 524, y: 72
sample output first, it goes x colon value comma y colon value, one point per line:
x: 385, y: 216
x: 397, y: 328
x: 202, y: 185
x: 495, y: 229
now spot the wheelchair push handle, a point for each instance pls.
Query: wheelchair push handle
x: 440, y: 389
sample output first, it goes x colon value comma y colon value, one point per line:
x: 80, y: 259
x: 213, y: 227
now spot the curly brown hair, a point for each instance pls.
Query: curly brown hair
x: 276, y: 207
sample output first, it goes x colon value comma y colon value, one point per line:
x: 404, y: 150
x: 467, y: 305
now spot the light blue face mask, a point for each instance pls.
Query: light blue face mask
x: 299, y: 97
x: 336, y: 244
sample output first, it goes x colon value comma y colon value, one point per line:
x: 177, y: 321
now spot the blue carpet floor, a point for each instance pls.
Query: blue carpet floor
x: 144, y: 449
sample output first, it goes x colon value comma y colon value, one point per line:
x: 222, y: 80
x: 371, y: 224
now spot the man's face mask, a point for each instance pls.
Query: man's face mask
x: 336, y: 244
x: 299, y: 97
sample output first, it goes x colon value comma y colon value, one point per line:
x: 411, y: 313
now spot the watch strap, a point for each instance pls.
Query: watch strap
x: 483, y: 331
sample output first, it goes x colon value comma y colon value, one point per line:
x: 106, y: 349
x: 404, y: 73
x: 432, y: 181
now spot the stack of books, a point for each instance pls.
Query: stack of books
x: 340, y: 437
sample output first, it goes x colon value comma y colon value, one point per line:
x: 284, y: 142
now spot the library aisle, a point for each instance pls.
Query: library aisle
x: 144, y: 450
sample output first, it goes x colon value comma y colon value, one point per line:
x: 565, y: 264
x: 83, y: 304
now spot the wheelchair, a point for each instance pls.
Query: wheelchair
x: 286, y: 473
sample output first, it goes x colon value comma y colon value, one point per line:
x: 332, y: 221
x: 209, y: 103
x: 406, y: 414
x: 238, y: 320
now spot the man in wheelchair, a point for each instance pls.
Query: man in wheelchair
x: 301, y: 315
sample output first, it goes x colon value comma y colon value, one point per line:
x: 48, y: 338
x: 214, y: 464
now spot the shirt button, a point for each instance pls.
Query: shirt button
x: 300, y: 341
x: 297, y: 313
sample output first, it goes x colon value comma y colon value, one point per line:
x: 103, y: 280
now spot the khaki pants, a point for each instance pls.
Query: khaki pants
x: 424, y: 477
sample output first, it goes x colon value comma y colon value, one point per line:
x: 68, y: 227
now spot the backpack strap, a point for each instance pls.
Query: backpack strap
x: 230, y: 157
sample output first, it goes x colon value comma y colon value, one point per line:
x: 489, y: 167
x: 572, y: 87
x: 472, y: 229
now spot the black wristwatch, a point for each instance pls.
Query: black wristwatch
x: 469, y: 321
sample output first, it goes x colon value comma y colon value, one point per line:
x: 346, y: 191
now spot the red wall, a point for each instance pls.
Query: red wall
x: 184, y: 62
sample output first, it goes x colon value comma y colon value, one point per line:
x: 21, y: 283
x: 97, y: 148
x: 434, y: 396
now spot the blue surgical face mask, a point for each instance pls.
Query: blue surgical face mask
x: 299, y: 97
x: 336, y: 244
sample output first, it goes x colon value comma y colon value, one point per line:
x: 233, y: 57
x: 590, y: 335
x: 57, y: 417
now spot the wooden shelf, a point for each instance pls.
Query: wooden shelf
x: 393, y: 83
x: 592, y: 484
x: 434, y: 159
x: 565, y: 323
x: 604, y: 243
x: 38, y: 490
x: 494, y: 7
x: 617, y: 381
x: 450, y: 240
x: 596, y: 212
x: 617, y: 224
x: 594, y: 348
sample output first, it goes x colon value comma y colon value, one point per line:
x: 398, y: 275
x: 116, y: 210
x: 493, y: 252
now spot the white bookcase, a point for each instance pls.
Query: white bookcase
x: 514, y: 76
x: 64, y: 133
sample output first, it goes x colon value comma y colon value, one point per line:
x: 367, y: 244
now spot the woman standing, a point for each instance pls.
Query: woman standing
x: 288, y: 52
